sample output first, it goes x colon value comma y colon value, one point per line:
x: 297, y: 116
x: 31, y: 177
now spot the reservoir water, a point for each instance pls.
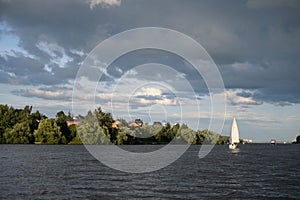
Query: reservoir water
x: 256, y: 171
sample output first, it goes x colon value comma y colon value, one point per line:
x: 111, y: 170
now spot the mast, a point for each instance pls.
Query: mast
x: 234, y: 133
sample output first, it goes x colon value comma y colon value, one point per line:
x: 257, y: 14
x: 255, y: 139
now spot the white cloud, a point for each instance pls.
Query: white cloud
x: 149, y: 91
x: 234, y: 97
x: 104, y: 3
x: 44, y: 93
x: 78, y: 52
x: 164, y: 101
x: 49, y: 48
x: 131, y: 72
x: 62, y: 92
x: 55, y: 51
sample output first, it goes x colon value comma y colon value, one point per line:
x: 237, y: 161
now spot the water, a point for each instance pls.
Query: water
x: 256, y: 171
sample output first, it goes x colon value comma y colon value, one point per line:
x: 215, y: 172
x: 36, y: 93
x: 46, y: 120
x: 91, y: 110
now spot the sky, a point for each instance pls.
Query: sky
x: 254, y: 44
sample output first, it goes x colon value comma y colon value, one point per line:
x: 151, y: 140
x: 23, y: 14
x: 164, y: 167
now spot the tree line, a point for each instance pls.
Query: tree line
x: 22, y: 126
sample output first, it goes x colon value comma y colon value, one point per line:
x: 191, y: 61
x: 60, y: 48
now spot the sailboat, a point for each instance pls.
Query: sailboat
x: 234, y: 138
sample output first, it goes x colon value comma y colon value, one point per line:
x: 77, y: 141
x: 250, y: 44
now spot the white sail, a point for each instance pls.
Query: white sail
x: 234, y: 133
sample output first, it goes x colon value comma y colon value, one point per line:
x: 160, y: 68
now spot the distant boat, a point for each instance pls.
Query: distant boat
x: 234, y: 138
x: 273, y: 141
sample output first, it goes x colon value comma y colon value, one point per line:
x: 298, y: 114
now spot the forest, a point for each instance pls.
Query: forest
x: 22, y: 126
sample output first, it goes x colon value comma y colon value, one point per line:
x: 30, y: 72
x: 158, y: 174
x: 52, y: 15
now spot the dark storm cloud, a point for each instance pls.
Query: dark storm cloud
x: 66, y: 73
x: 5, y: 77
x: 256, y: 44
x: 280, y: 95
x: 278, y: 82
x: 176, y: 64
x: 28, y: 71
x: 244, y: 94
x: 20, y: 64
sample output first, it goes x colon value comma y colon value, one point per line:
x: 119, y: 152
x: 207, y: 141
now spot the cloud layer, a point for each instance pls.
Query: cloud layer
x: 255, y: 44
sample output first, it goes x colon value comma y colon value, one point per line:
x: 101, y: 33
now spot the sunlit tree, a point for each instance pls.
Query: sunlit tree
x: 49, y: 132
x: 19, y: 134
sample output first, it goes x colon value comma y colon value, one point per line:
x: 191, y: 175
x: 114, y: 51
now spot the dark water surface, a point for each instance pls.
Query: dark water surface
x: 257, y: 171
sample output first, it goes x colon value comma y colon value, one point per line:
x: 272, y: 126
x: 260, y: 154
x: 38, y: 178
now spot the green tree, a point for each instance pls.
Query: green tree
x: 9, y: 117
x: 62, y: 123
x: 200, y: 137
x: 104, y: 119
x: 122, y: 137
x: 4, y: 120
x: 298, y: 139
x: 167, y: 133
x: 174, y: 129
x: 76, y: 140
x: 34, y: 120
x: 125, y: 135
x: 19, y: 134
x: 223, y: 140
x: 187, y: 135
x: 18, y: 126
x: 91, y: 132
x: 211, y: 136
x: 73, y: 132
x: 48, y: 132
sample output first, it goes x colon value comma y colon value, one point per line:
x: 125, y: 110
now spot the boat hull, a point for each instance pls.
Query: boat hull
x: 273, y: 141
x: 232, y: 146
